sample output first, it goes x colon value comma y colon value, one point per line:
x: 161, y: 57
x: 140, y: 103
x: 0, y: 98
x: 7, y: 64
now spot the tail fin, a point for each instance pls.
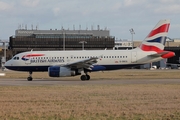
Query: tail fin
x: 156, y: 39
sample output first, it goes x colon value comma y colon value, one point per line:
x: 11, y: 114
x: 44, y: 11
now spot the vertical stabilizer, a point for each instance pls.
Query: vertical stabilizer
x: 156, y: 39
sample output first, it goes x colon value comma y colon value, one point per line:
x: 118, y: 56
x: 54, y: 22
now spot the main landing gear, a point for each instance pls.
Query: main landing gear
x: 85, y: 77
x: 30, y: 76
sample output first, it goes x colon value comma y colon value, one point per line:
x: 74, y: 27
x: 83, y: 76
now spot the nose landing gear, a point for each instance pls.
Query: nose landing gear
x: 30, y: 76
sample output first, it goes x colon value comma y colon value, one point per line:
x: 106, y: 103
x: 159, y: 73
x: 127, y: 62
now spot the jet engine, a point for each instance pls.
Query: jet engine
x: 58, y: 71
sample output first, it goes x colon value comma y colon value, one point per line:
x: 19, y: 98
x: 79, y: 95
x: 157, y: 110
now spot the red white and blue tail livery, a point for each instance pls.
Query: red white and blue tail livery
x: 156, y: 39
x: 72, y: 63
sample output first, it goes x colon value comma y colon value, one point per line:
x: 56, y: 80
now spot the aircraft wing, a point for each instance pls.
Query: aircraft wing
x: 85, y: 63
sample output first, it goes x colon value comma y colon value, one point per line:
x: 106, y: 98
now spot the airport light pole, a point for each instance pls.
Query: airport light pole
x: 82, y: 42
x: 4, y: 44
x: 64, y: 40
x: 132, y: 32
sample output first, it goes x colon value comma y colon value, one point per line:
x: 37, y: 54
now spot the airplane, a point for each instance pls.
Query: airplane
x: 82, y: 62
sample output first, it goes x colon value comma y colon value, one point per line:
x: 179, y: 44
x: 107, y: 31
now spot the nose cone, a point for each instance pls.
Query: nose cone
x: 7, y: 64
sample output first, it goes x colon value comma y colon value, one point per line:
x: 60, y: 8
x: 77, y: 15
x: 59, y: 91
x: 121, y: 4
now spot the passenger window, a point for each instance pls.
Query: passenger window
x: 17, y: 58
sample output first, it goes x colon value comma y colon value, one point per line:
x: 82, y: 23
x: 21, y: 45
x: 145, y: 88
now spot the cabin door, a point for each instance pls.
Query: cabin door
x: 133, y: 57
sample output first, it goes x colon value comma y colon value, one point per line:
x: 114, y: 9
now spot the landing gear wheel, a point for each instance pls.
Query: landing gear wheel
x: 83, y: 77
x: 29, y: 78
x: 87, y: 77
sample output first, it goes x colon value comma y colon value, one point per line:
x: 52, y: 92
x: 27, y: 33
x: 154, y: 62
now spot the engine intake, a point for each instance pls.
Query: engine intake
x: 57, y: 71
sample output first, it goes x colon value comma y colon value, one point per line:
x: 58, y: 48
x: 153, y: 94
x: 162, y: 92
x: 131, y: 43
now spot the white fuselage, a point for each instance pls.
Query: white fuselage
x: 111, y: 59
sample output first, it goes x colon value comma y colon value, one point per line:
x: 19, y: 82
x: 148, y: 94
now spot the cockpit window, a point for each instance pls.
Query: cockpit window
x: 15, y: 58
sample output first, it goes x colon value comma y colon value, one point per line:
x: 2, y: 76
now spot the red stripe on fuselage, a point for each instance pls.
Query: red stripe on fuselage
x: 161, y: 29
x: 34, y: 55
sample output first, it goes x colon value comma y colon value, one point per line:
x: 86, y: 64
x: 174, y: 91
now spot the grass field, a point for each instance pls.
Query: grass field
x: 93, y: 102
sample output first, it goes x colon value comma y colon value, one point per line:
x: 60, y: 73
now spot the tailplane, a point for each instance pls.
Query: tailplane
x: 156, y: 39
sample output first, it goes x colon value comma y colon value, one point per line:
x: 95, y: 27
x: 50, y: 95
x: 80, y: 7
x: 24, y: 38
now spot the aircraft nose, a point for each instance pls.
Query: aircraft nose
x: 7, y: 63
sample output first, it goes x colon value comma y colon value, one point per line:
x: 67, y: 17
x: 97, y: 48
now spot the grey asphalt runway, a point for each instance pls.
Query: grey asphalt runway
x: 42, y: 82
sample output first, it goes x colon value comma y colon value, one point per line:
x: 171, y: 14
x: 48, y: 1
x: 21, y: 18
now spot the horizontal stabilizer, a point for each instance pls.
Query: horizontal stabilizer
x: 163, y: 54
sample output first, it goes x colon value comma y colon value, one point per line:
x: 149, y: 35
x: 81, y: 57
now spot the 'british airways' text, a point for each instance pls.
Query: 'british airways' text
x: 49, y: 60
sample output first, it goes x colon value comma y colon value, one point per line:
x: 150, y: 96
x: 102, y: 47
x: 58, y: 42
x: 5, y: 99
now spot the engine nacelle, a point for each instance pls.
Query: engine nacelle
x: 58, y: 71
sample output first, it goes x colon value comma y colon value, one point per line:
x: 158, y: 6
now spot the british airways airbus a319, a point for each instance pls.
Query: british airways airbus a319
x: 72, y: 63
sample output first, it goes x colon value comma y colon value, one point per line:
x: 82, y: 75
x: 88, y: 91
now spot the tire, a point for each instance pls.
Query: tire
x: 83, y: 77
x: 29, y: 78
x: 87, y: 77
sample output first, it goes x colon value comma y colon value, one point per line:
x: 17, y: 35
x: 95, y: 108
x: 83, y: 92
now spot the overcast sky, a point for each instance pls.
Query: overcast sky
x: 116, y: 15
